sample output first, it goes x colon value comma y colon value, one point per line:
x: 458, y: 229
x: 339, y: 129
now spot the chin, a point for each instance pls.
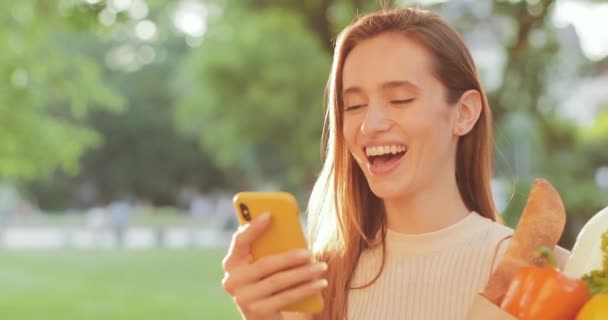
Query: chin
x: 386, y: 191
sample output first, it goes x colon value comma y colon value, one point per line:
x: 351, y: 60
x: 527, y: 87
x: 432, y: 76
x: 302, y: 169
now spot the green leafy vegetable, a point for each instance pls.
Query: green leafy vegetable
x: 597, y: 280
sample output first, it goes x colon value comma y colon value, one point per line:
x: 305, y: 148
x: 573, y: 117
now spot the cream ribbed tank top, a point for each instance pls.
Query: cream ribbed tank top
x: 431, y: 276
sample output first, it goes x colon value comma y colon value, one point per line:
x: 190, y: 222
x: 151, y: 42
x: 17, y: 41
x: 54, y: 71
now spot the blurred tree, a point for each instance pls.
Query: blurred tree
x: 249, y: 94
x: 140, y: 154
x: 549, y: 145
x: 48, y: 89
x: 533, y: 138
x: 324, y: 18
x: 252, y: 92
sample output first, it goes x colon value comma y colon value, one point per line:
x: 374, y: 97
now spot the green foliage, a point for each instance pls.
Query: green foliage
x: 598, y: 131
x: 597, y: 280
x: 244, y: 108
x: 50, y: 89
x: 141, y: 153
x: 533, y: 139
x: 518, y: 199
x: 252, y: 92
x: 559, y: 154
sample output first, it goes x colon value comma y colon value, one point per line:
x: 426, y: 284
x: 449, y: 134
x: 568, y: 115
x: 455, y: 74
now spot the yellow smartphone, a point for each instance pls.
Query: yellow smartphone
x: 284, y: 233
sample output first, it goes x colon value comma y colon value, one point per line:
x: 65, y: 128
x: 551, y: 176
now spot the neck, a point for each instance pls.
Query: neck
x: 429, y: 209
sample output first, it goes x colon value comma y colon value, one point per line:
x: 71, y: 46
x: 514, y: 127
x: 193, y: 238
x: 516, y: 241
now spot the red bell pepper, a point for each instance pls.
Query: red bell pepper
x: 544, y: 293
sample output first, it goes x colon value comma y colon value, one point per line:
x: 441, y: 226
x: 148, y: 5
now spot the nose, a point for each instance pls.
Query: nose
x: 376, y: 120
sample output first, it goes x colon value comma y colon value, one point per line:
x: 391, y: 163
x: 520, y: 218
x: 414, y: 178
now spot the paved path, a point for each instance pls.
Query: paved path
x: 133, y: 238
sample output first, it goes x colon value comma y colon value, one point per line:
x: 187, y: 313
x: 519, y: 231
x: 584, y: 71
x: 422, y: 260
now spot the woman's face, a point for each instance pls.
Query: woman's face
x: 397, y: 123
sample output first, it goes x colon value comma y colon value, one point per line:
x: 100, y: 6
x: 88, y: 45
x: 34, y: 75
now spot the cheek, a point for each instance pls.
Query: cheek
x: 439, y: 136
x: 349, y: 131
x: 427, y: 130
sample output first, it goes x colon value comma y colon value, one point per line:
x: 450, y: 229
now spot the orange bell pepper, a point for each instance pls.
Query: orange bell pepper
x: 537, y: 293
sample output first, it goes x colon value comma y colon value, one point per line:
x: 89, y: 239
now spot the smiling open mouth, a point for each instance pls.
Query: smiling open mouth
x: 382, y: 158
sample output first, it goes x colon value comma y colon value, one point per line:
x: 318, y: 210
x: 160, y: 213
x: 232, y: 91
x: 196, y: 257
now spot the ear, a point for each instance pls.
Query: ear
x: 468, y: 109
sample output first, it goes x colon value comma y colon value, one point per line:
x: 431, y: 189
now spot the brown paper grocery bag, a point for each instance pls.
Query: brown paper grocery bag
x: 483, y: 309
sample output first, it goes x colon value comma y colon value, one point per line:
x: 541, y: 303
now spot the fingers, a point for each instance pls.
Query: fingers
x: 242, y: 239
x: 281, y: 300
x: 266, y: 286
x: 278, y: 282
x: 248, y: 273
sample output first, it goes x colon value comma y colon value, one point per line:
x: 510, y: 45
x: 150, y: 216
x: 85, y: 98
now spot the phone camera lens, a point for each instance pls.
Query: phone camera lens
x: 245, y: 212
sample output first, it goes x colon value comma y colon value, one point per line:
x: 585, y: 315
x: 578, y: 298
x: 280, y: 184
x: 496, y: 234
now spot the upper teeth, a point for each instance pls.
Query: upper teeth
x: 381, y: 150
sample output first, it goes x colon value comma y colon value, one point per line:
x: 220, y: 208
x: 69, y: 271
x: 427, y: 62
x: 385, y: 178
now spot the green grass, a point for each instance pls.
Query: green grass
x: 113, y: 285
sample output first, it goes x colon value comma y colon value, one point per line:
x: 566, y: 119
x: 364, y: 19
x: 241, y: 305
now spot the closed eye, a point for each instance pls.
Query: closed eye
x: 354, y: 107
x: 404, y: 101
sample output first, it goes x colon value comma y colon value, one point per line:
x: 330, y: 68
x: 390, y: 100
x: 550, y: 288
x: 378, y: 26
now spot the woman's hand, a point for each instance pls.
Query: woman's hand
x: 262, y: 288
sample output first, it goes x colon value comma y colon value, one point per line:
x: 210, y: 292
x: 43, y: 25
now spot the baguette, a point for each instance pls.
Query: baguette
x: 541, y: 224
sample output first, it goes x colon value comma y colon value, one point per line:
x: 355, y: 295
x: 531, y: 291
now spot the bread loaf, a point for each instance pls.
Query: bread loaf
x: 541, y: 224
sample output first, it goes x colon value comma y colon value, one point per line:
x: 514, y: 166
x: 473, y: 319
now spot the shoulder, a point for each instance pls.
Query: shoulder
x: 561, y: 254
x: 497, y: 239
x: 496, y: 231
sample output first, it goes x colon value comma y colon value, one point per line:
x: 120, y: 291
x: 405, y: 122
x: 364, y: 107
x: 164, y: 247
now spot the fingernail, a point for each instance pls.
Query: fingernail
x: 320, y: 284
x: 303, y: 253
x: 317, y: 267
x: 264, y: 217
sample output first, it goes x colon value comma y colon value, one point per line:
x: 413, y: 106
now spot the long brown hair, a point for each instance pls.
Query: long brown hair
x: 343, y: 213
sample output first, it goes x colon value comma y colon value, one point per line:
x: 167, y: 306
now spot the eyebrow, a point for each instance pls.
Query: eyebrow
x: 386, y: 85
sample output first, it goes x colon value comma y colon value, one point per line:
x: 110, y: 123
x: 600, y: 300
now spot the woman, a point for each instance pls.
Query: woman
x: 402, y: 215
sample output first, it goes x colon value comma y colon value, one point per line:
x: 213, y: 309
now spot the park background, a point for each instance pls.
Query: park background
x: 127, y: 125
